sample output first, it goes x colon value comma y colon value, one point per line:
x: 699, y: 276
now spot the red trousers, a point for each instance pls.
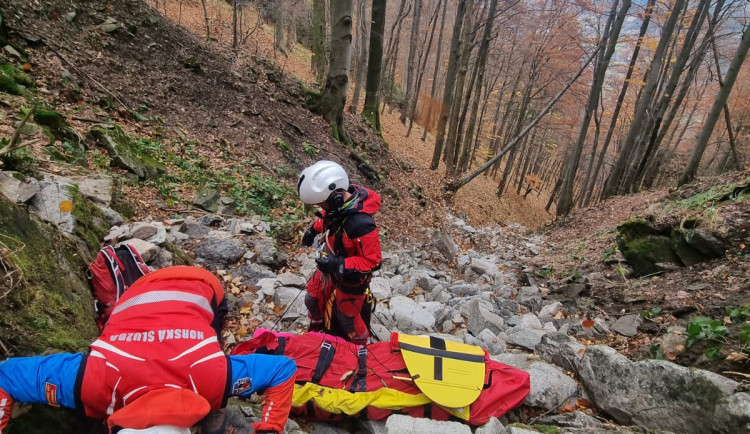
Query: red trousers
x: 337, y: 312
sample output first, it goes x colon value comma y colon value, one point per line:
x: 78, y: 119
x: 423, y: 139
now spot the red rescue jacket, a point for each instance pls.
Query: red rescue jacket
x: 153, y: 341
x: 353, y: 235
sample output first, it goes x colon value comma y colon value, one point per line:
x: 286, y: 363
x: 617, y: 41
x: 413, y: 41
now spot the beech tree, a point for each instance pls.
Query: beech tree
x: 319, y: 62
x: 361, y: 57
x: 608, y: 40
x: 371, y: 112
x: 333, y: 98
x: 713, y: 115
x: 614, y: 183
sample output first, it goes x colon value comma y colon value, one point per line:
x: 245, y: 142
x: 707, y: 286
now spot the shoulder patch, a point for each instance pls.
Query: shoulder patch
x: 359, y: 225
x: 50, y: 393
x: 242, y: 385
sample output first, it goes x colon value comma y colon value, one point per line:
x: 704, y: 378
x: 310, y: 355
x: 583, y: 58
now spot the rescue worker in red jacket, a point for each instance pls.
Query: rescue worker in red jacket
x: 156, y: 365
x: 338, y: 298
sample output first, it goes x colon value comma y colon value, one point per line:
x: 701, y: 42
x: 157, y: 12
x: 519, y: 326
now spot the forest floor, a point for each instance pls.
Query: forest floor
x: 246, y: 104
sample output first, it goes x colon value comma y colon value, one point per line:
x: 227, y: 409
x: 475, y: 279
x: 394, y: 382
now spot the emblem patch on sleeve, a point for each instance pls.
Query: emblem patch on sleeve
x: 50, y: 392
x: 242, y: 385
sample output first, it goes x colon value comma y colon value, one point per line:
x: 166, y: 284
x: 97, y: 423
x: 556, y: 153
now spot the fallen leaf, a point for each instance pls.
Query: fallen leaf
x: 581, y: 351
x: 26, y: 67
x: 587, y: 323
x: 582, y: 402
x: 245, y: 310
x: 568, y: 408
x: 242, y: 332
x: 278, y: 310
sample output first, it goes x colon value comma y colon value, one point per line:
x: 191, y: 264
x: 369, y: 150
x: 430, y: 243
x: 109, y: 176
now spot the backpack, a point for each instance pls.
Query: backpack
x: 113, y: 271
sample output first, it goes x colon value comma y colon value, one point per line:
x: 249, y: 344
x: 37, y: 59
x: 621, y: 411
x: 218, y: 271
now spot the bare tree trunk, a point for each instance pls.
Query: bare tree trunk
x: 450, y: 78
x: 333, y: 99
x: 612, y: 187
x: 437, y: 68
x: 422, y: 64
x: 234, y: 25
x: 656, y: 113
x: 718, y: 105
x: 359, y: 69
x: 455, y: 185
x: 609, y: 40
x: 205, y: 15
x: 410, y: 63
x: 391, y: 56
x: 481, y: 61
x: 278, y: 40
x: 374, y: 66
x: 727, y: 117
x: 319, y: 63
x: 621, y: 98
x: 449, y: 155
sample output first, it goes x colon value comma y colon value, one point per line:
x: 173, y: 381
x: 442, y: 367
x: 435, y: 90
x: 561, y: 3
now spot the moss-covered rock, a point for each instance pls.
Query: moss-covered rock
x: 124, y: 154
x: 90, y: 222
x: 178, y: 255
x: 688, y: 255
x: 644, y: 246
x: 12, y: 78
x: 48, y: 304
x: 56, y: 125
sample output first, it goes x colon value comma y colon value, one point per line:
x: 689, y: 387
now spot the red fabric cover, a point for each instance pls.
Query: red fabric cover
x: 505, y: 387
x: 6, y: 410
x: 158, y: 344
x: 178, y: 407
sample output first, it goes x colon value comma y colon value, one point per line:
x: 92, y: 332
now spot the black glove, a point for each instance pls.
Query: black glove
x: 309, y: 237
x: 331, y: 264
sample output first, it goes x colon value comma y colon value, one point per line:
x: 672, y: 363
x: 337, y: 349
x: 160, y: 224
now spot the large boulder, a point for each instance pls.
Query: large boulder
x: 645, y: 247
x: 658, y: 394
x: 560, y: 349
x: 45, y: 302
x: 411, y: 317
x: 550, y: 387
x: 17, y: 187
x: 479, y: 316
x: 219, y: 252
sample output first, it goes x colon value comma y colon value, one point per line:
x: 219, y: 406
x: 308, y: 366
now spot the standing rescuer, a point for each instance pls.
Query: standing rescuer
x: 338, y: 297
x: 157, y: 364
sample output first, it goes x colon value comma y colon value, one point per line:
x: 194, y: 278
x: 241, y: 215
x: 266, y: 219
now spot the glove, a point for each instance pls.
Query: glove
x: 331, y: 264
x: 309, y: 237
x: 6, y: 410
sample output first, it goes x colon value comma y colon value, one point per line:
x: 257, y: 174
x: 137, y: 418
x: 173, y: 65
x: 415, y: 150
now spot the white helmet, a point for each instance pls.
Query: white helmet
x: 318, y: 181
x: 158, y: 429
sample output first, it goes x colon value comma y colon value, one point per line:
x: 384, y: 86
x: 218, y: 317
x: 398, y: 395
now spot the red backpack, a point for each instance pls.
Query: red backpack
x: 113, y: 271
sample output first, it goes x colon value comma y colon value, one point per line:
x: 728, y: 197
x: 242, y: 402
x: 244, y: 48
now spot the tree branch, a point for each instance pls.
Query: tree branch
x: 453, y: 186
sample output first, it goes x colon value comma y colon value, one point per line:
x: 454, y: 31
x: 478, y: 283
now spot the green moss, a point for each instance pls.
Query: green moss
x: 90, y: 223
x: 125, y: 153
x: 635, y: 228
x: 11, y: 77
x: 49, y: 306
x: 178, y: 255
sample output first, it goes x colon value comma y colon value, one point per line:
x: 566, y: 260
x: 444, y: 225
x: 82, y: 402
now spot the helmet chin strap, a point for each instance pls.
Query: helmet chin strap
x: 336, y: 202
